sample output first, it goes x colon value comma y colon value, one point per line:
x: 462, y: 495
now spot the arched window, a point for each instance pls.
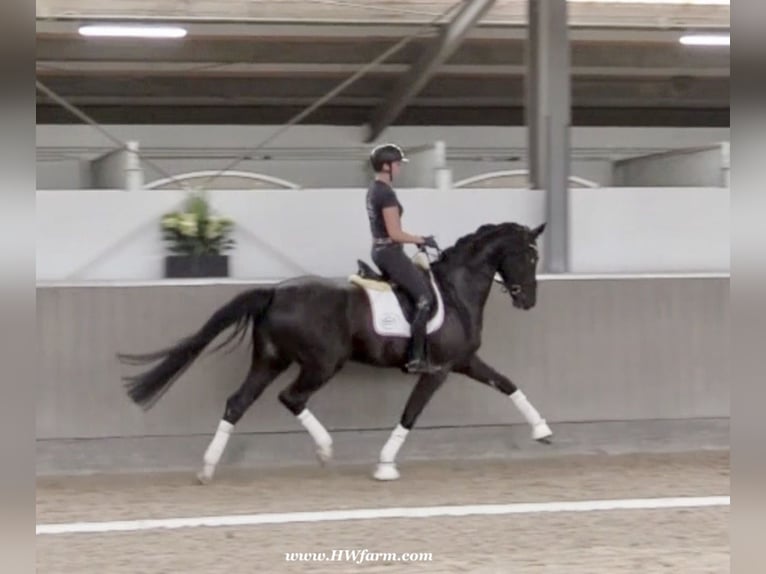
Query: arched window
x: 224, y: 180
x: 512, y: 179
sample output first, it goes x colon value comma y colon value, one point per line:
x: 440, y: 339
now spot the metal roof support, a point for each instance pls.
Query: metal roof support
x: 411, y: 83
x: 548, y: 118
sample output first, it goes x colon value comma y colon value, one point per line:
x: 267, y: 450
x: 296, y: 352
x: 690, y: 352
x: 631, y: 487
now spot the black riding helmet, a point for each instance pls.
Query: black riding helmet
x: 386, y: 154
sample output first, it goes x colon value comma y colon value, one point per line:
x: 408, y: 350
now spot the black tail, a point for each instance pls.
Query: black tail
x: 147, y: 388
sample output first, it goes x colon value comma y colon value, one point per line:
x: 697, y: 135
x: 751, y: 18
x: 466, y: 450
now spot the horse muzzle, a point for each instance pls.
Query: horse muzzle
x: 520, y: 298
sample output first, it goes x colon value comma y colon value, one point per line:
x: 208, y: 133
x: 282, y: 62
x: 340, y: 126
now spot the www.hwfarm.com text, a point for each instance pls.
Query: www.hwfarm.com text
x: 358, y: 556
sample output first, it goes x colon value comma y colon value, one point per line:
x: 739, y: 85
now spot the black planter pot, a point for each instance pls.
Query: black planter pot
x: 179, y: 266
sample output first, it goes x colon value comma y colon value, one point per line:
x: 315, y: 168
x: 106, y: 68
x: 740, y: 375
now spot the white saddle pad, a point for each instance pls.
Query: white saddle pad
x: 388, y: 318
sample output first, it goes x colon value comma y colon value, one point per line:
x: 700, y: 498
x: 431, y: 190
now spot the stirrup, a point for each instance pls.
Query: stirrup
x: 421, y: 366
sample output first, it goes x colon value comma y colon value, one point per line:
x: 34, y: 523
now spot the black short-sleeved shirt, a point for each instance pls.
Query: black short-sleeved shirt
x: 379, y: 196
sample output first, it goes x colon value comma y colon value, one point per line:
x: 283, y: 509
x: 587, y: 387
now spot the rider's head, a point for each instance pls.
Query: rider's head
x: 387, y: 158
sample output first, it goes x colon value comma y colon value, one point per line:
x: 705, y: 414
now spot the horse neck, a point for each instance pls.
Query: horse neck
x: 472, y: 283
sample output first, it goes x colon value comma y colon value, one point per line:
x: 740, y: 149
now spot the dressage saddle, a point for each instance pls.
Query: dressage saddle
x: 368, y: 274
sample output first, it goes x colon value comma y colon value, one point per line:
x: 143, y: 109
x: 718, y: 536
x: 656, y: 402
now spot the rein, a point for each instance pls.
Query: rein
x: 514, y: 290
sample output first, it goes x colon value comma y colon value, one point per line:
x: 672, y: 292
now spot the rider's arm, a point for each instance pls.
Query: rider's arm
x: 394, y: 227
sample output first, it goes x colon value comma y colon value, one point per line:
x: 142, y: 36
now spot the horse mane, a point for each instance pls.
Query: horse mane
x: 470, y: 244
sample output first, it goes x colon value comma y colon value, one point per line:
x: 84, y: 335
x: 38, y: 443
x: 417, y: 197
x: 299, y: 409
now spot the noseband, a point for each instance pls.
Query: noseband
x: 514, y: 290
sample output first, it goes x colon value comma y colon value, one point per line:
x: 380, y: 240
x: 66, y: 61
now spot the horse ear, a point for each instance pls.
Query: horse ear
x: 537, y: 231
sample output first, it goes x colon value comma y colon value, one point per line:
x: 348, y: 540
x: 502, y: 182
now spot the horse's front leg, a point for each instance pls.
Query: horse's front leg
x: 478, y: 370
x: 419, y: 397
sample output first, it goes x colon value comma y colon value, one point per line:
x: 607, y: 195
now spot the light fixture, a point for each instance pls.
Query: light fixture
x: 126, y: 31
x: 705, y: 40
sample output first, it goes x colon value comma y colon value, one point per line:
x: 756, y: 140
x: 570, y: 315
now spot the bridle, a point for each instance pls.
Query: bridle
x: 515, y: 289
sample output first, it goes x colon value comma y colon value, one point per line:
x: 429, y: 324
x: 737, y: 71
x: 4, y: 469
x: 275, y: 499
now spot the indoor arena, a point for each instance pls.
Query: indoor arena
x: 340, y: 286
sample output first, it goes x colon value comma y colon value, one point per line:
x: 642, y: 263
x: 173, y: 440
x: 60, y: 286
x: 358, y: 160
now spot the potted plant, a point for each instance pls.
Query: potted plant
x: 197, y: 240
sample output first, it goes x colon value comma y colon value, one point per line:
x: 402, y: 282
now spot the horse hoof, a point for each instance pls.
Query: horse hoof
x: 204, y: 478
x: 386, y: 471
x: 542, y: 433
x: 324, y: 454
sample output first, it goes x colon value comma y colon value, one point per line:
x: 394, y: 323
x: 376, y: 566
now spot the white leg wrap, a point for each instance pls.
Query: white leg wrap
x: 540, y: 429
x: 218, y: 444
x: 394, y: 443
x: 530, y: 413
x: 386, y: 469
x: 215, y: 450
x: 320, y: 435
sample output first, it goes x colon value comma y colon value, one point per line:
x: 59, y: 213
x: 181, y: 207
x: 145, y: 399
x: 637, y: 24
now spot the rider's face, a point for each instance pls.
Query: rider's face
x: 396, y: 167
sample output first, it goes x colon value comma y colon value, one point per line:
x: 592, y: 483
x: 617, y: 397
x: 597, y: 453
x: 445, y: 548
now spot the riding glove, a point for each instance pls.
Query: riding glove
x: 429, y: 241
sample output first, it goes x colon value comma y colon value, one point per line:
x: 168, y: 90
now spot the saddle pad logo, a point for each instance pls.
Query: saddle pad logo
x: 388, y: 318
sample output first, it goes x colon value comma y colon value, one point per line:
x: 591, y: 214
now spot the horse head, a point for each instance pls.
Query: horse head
x: 518, y: 257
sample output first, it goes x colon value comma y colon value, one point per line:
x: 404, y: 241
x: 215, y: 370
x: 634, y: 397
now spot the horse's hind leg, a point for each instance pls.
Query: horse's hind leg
x: 424, y: 389
x: 296, y: 396
x: 478, y: 370
x: 262, y: 372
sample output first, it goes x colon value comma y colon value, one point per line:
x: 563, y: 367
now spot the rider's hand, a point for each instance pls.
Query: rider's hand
x: 429, y: 241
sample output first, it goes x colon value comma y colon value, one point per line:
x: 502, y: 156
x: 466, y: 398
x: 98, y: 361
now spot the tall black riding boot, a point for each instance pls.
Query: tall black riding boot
x: 418, y: 362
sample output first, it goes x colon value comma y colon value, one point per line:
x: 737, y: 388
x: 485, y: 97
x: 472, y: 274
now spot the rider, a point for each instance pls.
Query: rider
x: 384, y: 212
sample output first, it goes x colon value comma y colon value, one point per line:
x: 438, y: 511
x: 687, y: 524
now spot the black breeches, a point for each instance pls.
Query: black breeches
x: 392, y: 260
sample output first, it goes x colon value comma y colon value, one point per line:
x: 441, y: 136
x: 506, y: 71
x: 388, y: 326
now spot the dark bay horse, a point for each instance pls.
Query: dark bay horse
x: 322, y: 324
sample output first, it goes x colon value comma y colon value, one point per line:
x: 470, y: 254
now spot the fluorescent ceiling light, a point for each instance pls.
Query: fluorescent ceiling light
x: 121, y: 31
x: 706, y: 40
